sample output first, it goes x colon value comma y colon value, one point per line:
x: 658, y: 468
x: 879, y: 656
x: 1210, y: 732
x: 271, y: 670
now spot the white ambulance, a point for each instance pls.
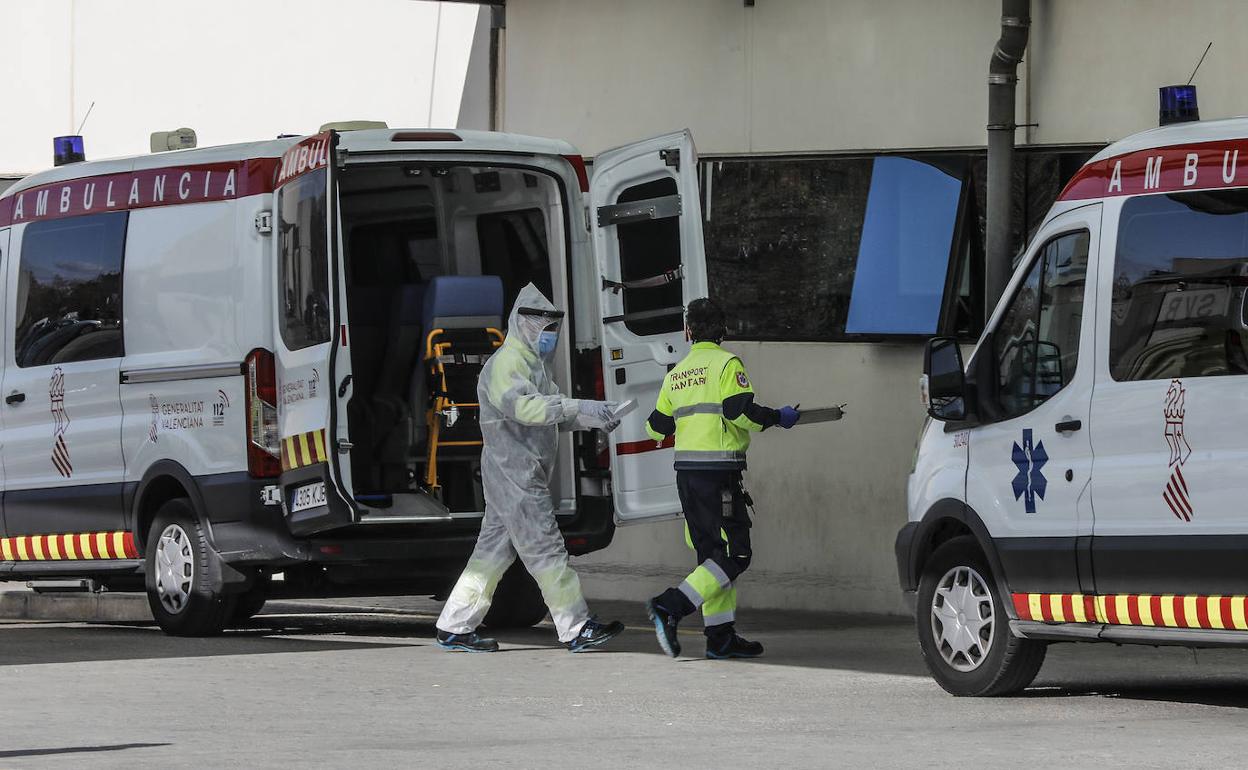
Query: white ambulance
x: 1084, y: 480
x: 224, y: 363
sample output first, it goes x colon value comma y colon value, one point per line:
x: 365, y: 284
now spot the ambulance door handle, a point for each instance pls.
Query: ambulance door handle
x: 14, y: 398
x: 1068, y: 426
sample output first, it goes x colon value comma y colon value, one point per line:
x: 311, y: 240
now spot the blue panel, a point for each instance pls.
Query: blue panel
x: 903, y: 256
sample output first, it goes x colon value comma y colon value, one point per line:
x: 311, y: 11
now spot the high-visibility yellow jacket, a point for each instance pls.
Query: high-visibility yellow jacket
x: 707, y: 401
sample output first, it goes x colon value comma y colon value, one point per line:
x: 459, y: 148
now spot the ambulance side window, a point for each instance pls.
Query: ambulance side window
x: 1037, y: 341
x: 303, y: 261
x: 69, y: 290
x: 649, y: 249
x: 1180, y: 282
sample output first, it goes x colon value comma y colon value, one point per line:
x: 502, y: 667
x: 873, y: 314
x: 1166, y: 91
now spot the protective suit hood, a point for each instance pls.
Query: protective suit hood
x: 525, y: 329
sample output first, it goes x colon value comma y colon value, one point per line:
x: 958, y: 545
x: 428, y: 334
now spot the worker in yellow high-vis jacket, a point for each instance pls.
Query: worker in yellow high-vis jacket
x: 707, y: 401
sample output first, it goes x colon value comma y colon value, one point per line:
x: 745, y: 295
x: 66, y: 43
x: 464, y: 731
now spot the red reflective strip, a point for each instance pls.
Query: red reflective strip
x: 1180, y: 619
x: 1089, y: 608
x: 1046, y: 612
x: 131, y: 551
x: 344, y: 335
x: 645, y: 445
x: 1216, y: 165
x: 1068, y: 608
x: 1111, y: 610
x: 1202, y: 612
x: 1022, y: 607
x: 1133, y: 610
x: 144, y: 188
x: 1154, y: 606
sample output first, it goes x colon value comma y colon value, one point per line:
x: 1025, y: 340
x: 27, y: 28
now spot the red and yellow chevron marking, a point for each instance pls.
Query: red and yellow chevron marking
x: 304, y: 449
x: 90, y: 545
x: 1160, y: 610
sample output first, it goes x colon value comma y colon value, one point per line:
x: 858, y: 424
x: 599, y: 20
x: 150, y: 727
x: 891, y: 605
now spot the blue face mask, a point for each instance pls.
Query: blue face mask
x: 546, y: 342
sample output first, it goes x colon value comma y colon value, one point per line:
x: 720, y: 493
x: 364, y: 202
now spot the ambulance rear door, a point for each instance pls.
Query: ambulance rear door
x: 312, y: 366
x: 647, y: 231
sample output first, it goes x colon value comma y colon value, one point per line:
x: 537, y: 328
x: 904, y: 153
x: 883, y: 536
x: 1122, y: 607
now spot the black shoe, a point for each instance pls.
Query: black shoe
x: 469, y: 642
x: 595, y: 634
x: 734, y: 647
x: 664, y: 627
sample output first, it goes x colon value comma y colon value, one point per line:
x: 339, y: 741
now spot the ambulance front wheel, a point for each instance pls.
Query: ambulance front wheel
x: 963, y: 627
x: 177, y: 564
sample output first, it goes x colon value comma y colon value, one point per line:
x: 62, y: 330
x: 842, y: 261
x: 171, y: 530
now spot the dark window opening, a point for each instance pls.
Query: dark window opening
x: 303, y: 259
x: 1180, y: 282
x: 1037, y: 341
x: 648, y: 249
x: 514, y: 247
x: 852, y: 248
x: 387, y: 253
x: 69, y: 290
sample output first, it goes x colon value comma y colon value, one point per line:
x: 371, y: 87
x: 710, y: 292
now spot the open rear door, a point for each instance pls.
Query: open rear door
x: 647, y: 228
x: 312, y: 368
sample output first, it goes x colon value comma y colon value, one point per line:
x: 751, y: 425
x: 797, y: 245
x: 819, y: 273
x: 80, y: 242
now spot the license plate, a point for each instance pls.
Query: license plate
x: 307, y: 496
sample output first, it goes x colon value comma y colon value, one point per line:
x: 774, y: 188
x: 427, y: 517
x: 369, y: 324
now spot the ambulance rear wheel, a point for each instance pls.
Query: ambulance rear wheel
x: 964, y: 629
x: 249, y: 603
x: 177, y: 564
x: 518, y: 602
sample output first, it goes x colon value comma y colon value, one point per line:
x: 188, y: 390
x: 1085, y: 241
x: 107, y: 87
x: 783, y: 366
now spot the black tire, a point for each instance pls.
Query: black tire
x: 249, y: 603
x: 1008, y: 664
x: 517, y: 601
x: 182, y: 599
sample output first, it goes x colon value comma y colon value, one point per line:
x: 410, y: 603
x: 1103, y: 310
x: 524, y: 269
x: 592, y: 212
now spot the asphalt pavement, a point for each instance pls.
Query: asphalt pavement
x: 361, y: 684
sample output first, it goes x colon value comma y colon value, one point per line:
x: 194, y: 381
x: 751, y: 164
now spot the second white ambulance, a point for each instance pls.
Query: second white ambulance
x: 1083, y: 478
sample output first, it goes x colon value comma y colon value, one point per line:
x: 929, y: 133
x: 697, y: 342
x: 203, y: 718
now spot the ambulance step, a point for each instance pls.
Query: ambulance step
x: 1150, y: 635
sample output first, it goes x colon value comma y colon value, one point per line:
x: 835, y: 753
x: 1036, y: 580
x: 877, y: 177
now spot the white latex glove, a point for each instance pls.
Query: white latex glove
x: 596, y: 414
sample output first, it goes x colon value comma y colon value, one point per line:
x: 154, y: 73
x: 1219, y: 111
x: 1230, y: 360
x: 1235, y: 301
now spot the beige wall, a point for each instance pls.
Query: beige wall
x: 830, y: 75
x: 827, y: 75
x: 1096, y: 66
x: 830, y: 497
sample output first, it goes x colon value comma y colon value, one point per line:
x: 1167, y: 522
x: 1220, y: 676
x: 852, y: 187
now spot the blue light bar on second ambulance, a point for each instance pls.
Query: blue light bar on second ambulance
x: 67, y: 149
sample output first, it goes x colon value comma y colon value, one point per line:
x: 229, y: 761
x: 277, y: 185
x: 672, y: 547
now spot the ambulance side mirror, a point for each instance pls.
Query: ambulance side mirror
x: 945, y: 379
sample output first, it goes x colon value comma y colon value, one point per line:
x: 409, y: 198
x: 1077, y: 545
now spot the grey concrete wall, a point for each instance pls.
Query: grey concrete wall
x: 830, y: 497
x: 797, y: 76
x: 828, y: 75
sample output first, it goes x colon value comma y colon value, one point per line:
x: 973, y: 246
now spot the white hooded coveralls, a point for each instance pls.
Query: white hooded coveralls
x: 522, y: 413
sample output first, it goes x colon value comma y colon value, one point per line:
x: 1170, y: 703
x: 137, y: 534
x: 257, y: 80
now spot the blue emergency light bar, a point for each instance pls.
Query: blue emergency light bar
x: 1178, y: 105
x: 67, y: 149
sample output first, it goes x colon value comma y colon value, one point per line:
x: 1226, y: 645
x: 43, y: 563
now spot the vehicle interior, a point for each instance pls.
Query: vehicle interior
x: 435, y: 255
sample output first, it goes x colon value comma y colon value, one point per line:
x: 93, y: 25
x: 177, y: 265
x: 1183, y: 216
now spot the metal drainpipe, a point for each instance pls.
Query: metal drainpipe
x: 1002, y: 78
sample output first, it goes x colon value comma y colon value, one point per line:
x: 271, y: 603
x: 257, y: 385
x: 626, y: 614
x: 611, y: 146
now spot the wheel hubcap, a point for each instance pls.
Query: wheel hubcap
x: 175, y: 569
x: 963, y: 618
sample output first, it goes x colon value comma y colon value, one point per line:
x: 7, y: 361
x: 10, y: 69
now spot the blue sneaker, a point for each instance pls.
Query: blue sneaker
x: 469, y: 642
x: 664, y: 627
x: 595, y: 634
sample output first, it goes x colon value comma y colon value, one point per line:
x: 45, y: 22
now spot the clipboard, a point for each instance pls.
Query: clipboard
x: 625, y: 408
x: 820, y: 414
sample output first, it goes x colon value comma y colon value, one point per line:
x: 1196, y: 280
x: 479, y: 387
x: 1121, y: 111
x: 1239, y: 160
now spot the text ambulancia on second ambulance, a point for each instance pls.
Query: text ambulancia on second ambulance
x: 1083, y: 479
x: 226, y: 363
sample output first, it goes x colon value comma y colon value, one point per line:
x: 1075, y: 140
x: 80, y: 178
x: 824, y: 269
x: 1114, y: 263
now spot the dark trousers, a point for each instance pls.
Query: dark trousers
x: 718, y: 522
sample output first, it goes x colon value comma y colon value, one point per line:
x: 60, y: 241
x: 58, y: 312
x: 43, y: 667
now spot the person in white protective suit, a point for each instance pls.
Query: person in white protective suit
x: 522, y: 413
